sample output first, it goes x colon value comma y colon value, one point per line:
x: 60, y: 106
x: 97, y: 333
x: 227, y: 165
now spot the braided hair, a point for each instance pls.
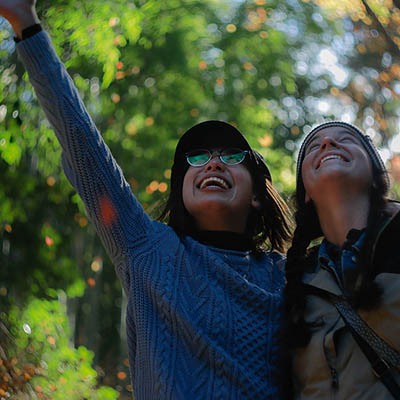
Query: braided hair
x: 298, y: 259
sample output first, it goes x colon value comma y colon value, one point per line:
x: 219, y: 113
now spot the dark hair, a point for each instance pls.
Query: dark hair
x: 300, y: 258
x: 270, y: 222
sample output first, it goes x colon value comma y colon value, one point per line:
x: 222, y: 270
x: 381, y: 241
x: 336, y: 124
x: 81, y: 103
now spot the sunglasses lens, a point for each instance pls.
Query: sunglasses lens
x: 198, y: 158
x: 233, y: 156
x: 230, y: 156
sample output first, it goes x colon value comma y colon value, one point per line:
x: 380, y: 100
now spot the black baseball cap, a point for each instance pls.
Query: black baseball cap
x: 214, y: 133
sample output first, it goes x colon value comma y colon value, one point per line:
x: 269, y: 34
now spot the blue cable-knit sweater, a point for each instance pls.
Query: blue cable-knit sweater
x: 202, y: 322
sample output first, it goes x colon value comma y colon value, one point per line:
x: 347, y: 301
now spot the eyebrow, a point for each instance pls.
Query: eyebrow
x: 311, y: 140
x: 343, y: 131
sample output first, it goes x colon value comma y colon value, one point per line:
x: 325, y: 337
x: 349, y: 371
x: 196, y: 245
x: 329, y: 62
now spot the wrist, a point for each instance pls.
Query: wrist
x: 24, y: 20
x: 29, y: 32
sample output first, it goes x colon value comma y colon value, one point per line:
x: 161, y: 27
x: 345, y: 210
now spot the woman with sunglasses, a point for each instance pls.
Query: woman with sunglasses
x: 204, y: 295
x: 344, y: 294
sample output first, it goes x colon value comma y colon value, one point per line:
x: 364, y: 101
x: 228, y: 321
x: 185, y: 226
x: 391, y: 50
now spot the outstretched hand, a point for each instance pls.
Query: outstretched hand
x: 19, y: 13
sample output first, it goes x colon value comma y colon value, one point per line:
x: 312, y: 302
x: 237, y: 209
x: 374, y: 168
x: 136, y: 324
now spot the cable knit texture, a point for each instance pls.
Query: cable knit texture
x: 202, y: 323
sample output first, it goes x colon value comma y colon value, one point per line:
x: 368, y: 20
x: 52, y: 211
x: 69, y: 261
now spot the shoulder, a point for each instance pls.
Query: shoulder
x: 386, y: 241
x: 390, y: 221
x: 392, y: 208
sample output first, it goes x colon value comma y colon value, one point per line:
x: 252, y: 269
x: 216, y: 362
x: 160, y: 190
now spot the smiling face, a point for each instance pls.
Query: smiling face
x: 219, y: 196
x: 335, y: 156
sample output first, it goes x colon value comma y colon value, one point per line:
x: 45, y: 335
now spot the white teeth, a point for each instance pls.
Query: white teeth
x: 330, y: 157
x: 218, y: 181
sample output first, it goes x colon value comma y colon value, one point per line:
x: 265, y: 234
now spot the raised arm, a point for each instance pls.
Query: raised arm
x: 118, y: 217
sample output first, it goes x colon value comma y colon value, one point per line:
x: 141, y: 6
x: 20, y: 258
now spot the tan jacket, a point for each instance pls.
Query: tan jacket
x: 332, y: 366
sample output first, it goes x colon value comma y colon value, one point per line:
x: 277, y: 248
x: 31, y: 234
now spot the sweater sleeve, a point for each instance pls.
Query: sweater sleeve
x: 87, y: 161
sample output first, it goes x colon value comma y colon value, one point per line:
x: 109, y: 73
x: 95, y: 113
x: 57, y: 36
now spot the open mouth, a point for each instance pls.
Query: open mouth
x: 330, y: 157
x: 213, y: 181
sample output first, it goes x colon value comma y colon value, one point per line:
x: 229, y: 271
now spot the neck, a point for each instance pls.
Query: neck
x: 221, y: 227
x: 221, y: 222
x: 340, y: 212
x: 224, y: 240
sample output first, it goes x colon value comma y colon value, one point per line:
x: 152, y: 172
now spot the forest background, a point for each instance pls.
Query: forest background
x: 147, y: 71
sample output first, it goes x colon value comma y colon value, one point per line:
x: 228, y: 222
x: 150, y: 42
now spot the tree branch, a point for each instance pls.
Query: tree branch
x: 393, y: 46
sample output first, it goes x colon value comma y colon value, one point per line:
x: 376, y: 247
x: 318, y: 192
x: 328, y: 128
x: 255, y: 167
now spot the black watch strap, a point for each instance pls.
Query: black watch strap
x: 28, y: 32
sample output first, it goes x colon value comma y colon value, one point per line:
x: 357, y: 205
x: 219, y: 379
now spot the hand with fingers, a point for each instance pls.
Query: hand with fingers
x: 20, y: 14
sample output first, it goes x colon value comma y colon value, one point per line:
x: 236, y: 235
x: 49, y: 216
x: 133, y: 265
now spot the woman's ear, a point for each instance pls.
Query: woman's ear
x: 255, y: 203
x: 307, y: 198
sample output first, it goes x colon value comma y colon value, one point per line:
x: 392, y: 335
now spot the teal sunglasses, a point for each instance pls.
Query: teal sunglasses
x: 230, y: 156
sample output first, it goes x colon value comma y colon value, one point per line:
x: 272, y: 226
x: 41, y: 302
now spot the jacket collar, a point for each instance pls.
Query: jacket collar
x: 323, y: 279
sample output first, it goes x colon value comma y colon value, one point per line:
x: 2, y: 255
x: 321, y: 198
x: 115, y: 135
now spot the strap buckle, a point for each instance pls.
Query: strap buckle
x: 380, y: 368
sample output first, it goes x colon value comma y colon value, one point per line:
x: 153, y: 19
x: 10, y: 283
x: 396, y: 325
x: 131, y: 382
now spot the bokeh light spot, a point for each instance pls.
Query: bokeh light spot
x: 108, y: 213
x: 97, y: 264
x: 121, y: 375
x: 27, y: 329
x: 115, y: 98
x: 51, y: 340
x: 120, y: 75
x: 149, y: 121
x: 113, y: 21
x: 266, y: 140
x: 247, y: 66
x: 130, y: 128
x: 50, y: 181
x: 91, y: 282
x: 154, y: 185
x: 163, y: 187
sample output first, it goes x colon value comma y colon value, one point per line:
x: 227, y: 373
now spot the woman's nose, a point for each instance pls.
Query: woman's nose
x: 328, y: 142
x: 215, y: 164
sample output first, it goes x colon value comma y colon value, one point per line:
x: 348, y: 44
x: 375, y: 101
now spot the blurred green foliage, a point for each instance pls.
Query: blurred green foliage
x: 39, y: 361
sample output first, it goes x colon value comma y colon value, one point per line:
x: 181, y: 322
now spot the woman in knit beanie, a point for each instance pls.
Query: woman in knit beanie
x: 341, y: 196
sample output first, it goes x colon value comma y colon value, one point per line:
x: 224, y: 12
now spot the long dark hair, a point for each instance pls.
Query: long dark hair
x: 300, y: 258
x: 270, y: 223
